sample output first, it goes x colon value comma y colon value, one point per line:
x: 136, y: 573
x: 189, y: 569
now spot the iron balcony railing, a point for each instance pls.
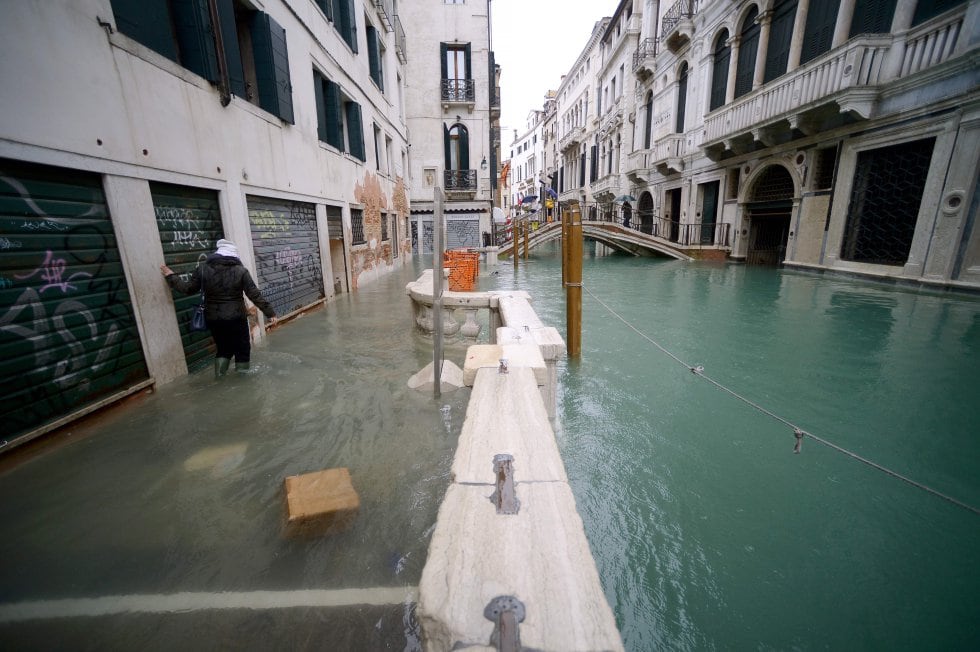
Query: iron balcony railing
x: 385, y: 12
x: 400, y: 40
x: 646, y: 49
x: 460, y: 180
x: 682, y: 9
x: 458, y: 90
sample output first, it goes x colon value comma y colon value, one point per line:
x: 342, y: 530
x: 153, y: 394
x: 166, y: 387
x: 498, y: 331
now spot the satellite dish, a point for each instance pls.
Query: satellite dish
x: 498, y: 216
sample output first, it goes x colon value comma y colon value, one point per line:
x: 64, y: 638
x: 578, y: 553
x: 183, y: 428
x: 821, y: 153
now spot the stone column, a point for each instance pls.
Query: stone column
x: 732, y: 68
x: 765, y: 22
x: 901, y: 21
x: 799, y: 33
x: 843, y: 27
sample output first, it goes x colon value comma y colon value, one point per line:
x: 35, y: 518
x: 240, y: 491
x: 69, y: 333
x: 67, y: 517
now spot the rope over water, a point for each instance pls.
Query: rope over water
x: 798, y: 432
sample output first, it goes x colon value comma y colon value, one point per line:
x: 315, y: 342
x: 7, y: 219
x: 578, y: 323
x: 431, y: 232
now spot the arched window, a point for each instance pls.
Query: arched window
x: 747, y: 50
x: 719, y: 72
x: 681, y: 99
x: 648, y: 125
x: 457, y: 148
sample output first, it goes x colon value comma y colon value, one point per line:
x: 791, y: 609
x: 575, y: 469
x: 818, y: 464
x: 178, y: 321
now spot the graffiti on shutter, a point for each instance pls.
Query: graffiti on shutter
x: 68, y: 335
x: 287, y: 252
x: 461, y: 234
x: 189, y: 222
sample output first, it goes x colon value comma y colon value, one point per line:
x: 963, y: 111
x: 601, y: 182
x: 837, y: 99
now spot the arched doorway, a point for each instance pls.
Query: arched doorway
x: 769, y: 209
x: 644, y: 211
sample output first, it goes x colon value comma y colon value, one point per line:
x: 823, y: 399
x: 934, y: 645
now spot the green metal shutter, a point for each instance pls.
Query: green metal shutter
x: 355, y: 130
x: 189, y: 223
x: 818, y: 36
x: 287, y: 252
x: 233, y: 54
x: 192, y: 25
x: 272, y: 66
x: 68, y: 335
x: 146, y: 21
x: 334, y: 117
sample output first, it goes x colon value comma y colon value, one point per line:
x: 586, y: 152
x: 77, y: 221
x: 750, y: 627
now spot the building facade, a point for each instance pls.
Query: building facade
x: 452, y: 105
x: 134, y: 134
x: 839, y: 135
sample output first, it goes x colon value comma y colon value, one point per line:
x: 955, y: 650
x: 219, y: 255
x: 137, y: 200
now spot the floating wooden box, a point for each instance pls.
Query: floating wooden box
x: 320, y: 503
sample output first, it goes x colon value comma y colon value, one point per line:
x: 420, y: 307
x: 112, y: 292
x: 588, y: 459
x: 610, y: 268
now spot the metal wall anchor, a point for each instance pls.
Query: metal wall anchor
x: 506, y: 612
x: 505, y: 496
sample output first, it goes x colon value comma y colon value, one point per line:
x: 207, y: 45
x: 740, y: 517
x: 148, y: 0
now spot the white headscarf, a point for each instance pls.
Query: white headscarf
x: 227, y: 248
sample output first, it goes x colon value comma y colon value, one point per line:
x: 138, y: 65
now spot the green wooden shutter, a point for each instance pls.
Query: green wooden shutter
x: 818, y: 36
x: 719, y: 72
x: 464, y: 148
x: 352, y: 25
x: 443, y: 66
x: 926, y: 9
x: 780, y: 37
x: 374, y: 55
x: 146, y: 21
x: 447, y: 147
x: 233, y: 54
x: 326, y: 6
x: 321, y: 106
x: 466, y: 60
x: 681, y: 100
x: 747, y: 51
x: 192, y: 25
x: 872, y: 17
x: 334, y: 117
x: 355, y: 131
x: 68, y: 334
x: 272, y: 66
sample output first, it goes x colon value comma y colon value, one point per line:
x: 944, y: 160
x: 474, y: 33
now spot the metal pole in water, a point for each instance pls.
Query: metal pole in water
x: 437, y: 264
x: 573, y: 282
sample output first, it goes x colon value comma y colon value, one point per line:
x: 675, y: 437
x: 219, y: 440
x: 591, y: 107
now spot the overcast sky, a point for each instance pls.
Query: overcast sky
x: 535, y: 42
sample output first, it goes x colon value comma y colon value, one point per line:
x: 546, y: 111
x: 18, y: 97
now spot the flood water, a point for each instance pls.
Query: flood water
x: 708, y: 531
x: 180, y: 493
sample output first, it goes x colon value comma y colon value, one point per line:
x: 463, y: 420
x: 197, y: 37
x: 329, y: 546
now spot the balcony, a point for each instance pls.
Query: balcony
x: 459, y: 184
x: 605, y: 188
x: 458, y: 91
x: 612, y: 120
x: 638, y: 166
x: 385, y: 13
x: 668, y: 154
x: 571, y: 139
x: 400, y: 40
x: 644, y: 59
x: 834, y: 89
x: 495, y: 101
x: 677, y: 26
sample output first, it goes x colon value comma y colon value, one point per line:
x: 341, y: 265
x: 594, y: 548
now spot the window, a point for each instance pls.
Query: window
x: 780, y: 36
x: 719, y: 71
x: 681, y: 99
x: 338, y: 117
x: 872, y: 17
x: 745, y: 67
x: 457, y: 82
x: 357, y: 226
x: 457, y: 148
x: 818, y: 35
x: 377, y: 147
x: 885, y: 199
x: 375, y: 57
x: 255, y: 49
x: 823, y: 168
x: 733, y: 183
x: 384, y: 227
x: 345, y: 22
x: 926, y: 9
x: 648, y: 117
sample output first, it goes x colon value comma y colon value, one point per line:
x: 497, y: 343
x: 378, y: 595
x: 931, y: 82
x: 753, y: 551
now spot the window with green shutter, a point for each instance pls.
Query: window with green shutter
x: 926, y: 9
x: 272, y: 66
x: 872, y: 17
x: 780, y: 38
x: 719, y: 71
x: 818, y: 36
x: 345, y: 21
x: 375, y: 62
x: 747, y: 51
x: 179, y: 30
x: 355, y: 130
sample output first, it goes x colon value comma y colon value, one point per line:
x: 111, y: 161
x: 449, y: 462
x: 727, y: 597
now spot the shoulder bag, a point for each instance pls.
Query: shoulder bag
x: 198, y: 322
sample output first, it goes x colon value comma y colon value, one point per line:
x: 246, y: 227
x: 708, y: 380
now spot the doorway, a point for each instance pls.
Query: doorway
x: 769, y: 210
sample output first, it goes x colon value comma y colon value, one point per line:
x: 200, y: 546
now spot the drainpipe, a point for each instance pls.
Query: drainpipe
x: 224, y: 82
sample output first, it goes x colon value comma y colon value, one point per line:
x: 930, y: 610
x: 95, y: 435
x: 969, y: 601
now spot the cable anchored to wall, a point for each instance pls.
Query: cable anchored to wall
x: 798, y: 433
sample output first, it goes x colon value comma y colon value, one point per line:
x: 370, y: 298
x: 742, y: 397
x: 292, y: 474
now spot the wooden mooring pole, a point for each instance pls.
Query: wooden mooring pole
x: 573, y: 281
x: 437, y: 264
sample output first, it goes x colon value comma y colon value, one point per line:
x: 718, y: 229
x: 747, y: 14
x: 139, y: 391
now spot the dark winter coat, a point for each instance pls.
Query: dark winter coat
x: 225, y: 279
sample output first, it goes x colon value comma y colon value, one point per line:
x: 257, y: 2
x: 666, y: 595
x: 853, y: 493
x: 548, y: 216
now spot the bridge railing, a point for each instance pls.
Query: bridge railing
x: 715, y: 234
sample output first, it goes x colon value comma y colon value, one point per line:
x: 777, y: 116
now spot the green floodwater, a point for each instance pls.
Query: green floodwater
x: 708, y: 532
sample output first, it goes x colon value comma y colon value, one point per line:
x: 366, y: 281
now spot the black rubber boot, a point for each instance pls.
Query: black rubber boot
x: 221, y: 366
